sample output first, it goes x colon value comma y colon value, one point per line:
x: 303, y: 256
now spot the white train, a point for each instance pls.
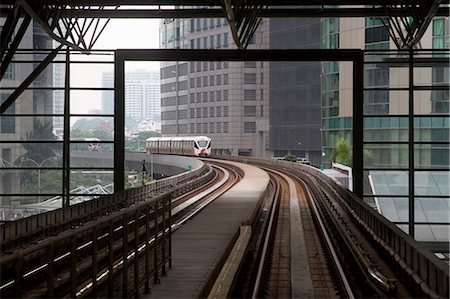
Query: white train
x: 192, y: 146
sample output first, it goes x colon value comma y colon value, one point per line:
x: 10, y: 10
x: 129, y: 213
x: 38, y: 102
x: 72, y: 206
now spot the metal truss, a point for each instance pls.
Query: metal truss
x: 244, y: 18
x: 407, y: 30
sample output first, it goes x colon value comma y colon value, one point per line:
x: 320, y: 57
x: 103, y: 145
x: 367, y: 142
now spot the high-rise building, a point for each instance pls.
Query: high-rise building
x: 142, y: 94
x: 227, y: 101
x: 408, y: 185
x: 294, y: 92
x: 37, y: 101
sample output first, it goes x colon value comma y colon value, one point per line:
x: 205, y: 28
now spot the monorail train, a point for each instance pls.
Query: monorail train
x: 193, y: 146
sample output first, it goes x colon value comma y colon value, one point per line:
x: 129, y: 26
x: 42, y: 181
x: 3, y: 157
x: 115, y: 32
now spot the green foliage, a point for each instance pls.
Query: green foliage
x: 94, y: 123
x: 137, y: 143
x: 38, y: 152
x: 343, y: 152
x: 290, y: 157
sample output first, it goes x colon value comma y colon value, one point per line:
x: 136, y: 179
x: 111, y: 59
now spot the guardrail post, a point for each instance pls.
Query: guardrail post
x: 125, y: 256
x: 163, y: 249
x: 50, y: 273
x: 136, y: 254
x: 155, y: 247
x: 147, y: 250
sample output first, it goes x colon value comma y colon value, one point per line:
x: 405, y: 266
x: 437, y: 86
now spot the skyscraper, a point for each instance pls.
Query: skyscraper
x: 227, y: 101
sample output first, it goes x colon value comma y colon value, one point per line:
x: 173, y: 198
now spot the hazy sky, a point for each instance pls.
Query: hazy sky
x: 118, y: 34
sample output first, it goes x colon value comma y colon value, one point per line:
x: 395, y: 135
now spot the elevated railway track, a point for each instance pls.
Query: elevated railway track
x: 309, y: 237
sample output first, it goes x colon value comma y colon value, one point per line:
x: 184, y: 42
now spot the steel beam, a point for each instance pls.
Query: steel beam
x: 34, y: 74
x: 119, y: 122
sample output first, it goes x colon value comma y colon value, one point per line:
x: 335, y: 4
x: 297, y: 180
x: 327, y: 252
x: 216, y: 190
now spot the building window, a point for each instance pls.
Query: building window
x: 219, y: 65
x: 225, y: 39
x: 192, y: 128
x: 225, y: 95
x: 225, y: 79
x: 218, y: 22
x: 199, y: 66
x: 225, y: 111
x: 191, y: 29
x: 249, y: 95
x: 249, y: 78
x: 192, y: 66
x: 249, y: 110
x: 199, y: 41
x: 192, y: 83
x: 262, y: 78
x: 261, y: 110
x: 211, y: 65
x: 199, y: 81
x: 211, y: 80
x: 249, y: 127
x: 218, y: 95
x: 205, y: 81
x: 198, y: 128
x: 225, y: 64
x: 219, y: 127
x: 205, y: 24
x: 211, y: 42
x: 205, y: 96
x: 205, y: 112
x: 192, y: 97
x: 219, y: 111
x: 192, y: 44
x: 199, y: 112
x: 198, y: 24
x: 219, y: 79
x: 205, y: 66
x: 211, y: 112
x: 219, y: 41
x: 192, y: 113
x: 205, y: 42
x: 211, y: 128
x: 211, y: 23
x: 250, y: 64
x: 199, y: 97
x: 211, y: 96
x: 225, y: 127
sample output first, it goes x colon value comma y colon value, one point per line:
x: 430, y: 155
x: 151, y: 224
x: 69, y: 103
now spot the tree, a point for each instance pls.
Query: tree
x: 38, y: 152
x: 343, y: 152
x: 137, y: 143
x: 290, y: 157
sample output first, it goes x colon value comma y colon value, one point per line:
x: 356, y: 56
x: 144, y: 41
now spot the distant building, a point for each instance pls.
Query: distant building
x: 227, y: 101
x: 142, y: 94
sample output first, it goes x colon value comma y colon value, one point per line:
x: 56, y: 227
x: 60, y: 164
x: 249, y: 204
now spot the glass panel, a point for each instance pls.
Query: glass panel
x: 31, y: 181
x: 43, y: 100
x: 51, y: 76
x: 90, y: 75
x: 92, y: 102
x: 437, y: 75
x: 386, y: 129
x: 385, y: 156
x: 386, y: 182
x: 86, y: 128
x: 433, y: 128
x: 434, y: 156
x: 89, y: 181
x: 92, y: 155
x: 26, y: 128
x: 432, y: 183
x: 31, y: 155
x: 434, y: 101
x: 385, y: 75
x: 385, y: 102
x: 17, y: 207
x: 432, y: 233
x: 394, y: 209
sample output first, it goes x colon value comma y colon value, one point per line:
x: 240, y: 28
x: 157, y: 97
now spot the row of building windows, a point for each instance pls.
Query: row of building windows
x: 210, y: 42
x: 202, y: 112
x: 205, y: 24
x: 213, y: 81
x: 211, y: 96
x: 198, y: 66
x: 206, y: 128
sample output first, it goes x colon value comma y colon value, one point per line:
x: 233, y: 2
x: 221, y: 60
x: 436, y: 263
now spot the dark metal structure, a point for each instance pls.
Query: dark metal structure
x: 65, y: 21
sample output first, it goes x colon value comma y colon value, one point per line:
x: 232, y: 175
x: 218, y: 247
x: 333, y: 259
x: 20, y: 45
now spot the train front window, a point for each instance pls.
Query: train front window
x: 202, y: 143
